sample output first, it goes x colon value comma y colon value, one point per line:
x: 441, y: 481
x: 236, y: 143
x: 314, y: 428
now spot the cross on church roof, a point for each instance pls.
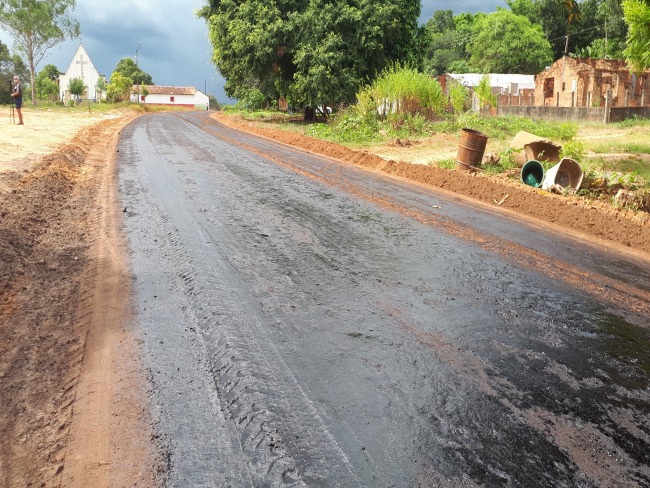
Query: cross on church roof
x: 81, y: 62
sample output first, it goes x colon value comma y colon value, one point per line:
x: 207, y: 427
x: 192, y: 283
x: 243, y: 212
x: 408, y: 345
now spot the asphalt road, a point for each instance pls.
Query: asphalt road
x: 308, y: 323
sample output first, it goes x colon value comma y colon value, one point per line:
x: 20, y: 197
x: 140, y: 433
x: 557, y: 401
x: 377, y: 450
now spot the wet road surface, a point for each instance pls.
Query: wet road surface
x: 307, y: 323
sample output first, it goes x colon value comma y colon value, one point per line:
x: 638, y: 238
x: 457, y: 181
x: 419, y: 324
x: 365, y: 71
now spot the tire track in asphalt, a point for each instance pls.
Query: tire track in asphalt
x: 254, y: 386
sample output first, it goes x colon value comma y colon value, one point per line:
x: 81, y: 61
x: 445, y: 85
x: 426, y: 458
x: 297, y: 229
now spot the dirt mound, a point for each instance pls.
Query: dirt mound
x: 570, y: 214
x: 49, y: 266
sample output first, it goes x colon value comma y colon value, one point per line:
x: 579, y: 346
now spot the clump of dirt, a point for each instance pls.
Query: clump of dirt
x: 571, y: 214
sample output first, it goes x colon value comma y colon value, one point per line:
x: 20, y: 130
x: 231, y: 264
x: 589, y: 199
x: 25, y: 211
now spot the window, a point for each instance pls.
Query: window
x: 171, y: 99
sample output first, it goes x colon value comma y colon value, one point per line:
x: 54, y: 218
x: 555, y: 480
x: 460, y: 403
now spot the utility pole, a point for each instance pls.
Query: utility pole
x: 136, y: 65
x: 136, y: 53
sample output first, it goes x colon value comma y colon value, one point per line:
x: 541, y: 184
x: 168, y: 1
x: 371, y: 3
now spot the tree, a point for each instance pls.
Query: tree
x: 310, y: 52
x: 100, y: 87
x: 442, y: 21
x: 531, y: 9
x: 503, y: 42
x: 76, y: 87
x: 637, y: 17
x: 119, y: 88
x: 10, y: 65
x: 128, y: 68
x: 36, y: 26
x: 442, y: 44
x: 46, y: 85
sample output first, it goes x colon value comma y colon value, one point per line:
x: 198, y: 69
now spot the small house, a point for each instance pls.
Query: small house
x: 181, y: 96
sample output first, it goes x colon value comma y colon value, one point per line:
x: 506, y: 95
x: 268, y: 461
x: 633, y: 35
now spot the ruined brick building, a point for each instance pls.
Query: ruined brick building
x: 585, y: 82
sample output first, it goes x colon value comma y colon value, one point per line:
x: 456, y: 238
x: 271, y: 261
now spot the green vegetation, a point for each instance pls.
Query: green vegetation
x: 10, y: 65
x: 503, y: 42
x: 119, y: 88
x: 127, y: 68
x: 353, y: 125
x: 47, y: 87
x: 76, y: 87
x: 637, y: 16
x: 309, y: 53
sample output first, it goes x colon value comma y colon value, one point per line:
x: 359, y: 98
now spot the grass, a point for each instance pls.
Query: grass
x: 603, y: 176
x: 608, y: 147
x: 87, y: 106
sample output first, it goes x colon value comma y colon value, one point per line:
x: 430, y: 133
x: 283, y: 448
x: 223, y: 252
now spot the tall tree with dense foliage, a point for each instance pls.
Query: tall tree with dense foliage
x: 128, y: 68
x: 312, y: 52
x: 594, y: 28
x: 36, y: 26
x: 442, y: 44
x: 10, y: 65
x: 637, y: 17
x: 46, y: 82
x: 503, y: 42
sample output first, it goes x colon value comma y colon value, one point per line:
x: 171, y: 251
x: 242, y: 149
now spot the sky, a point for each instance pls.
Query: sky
x: 171, y: 43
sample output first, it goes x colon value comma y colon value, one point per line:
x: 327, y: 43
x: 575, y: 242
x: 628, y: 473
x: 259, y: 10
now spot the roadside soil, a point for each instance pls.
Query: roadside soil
x: 72, y: 388
x: 72, y: 391
x: 574, y: 215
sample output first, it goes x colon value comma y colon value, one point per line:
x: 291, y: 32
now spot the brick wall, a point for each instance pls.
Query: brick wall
x: 572, y: 82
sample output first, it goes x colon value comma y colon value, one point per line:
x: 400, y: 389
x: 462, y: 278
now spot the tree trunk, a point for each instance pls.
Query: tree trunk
x: 32, y: 75
x: 310, y: 114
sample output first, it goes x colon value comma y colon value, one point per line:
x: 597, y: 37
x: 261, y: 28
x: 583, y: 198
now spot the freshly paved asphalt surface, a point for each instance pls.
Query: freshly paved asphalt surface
x: 308, y: 323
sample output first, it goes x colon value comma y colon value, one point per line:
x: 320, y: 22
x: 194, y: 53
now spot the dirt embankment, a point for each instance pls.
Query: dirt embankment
x: 69, y: 374
x: 570, y: 214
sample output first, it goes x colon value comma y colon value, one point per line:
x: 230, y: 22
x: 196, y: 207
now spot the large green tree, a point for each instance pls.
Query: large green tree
x: 637, y: 16
x: 313, y: 52
x: 10, y: 65
x: 127, y: 68
x: 503, y: 42
x: 443, y: 45
x: 593, y: 28
x: 36, y: 26
x: 46, y: 82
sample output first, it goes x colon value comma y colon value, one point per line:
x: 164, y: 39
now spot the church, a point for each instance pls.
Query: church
x: 81, y: 67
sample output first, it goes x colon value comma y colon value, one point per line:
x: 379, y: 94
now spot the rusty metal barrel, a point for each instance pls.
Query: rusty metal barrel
x: 471, y: 149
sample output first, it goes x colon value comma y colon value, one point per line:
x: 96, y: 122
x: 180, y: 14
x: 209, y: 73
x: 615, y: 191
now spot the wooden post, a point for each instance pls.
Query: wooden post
x: 627, y: 93
x: 608, y: 106
x: 643, y: 97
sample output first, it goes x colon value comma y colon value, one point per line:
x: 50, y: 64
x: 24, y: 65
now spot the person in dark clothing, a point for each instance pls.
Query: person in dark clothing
x: 17, y: 93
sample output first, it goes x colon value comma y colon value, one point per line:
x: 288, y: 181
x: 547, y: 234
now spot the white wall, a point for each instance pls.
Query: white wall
x: 198, y: 100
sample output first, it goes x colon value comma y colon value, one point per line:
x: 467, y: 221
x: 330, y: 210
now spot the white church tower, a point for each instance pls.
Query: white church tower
x: 81, y: 67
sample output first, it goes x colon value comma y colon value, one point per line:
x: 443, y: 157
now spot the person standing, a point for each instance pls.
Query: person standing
x: 17, y: 93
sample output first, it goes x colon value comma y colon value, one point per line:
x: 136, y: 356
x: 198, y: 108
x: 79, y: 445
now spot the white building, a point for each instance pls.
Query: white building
x: 501, y: 84
x: 81, y: 67
x: 182, y: 96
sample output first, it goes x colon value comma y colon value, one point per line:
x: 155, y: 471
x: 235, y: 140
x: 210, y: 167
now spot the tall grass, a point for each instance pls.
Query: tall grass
x: 401, y: 90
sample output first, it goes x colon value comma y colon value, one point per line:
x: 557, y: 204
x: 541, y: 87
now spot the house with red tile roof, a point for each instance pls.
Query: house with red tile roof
x: 182, y: 96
